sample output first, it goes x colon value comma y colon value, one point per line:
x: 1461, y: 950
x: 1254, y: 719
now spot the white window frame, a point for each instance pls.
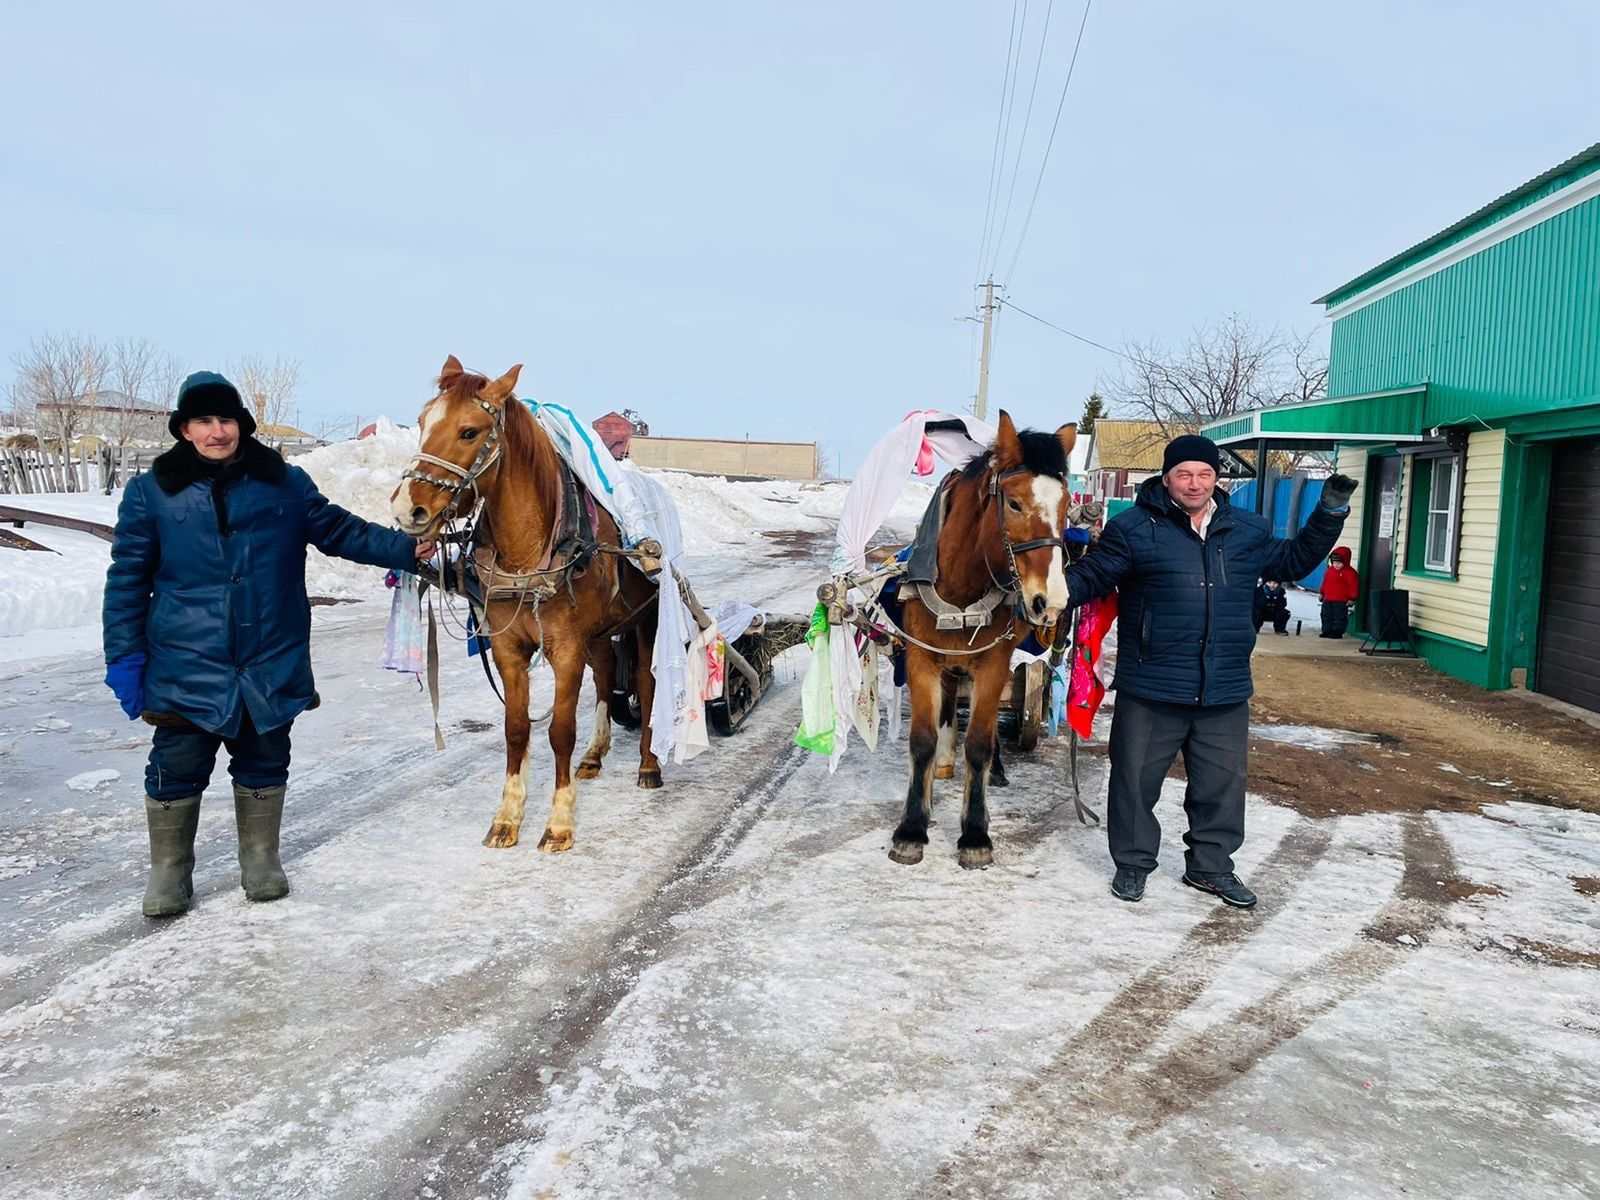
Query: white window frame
x: 1450, y: 512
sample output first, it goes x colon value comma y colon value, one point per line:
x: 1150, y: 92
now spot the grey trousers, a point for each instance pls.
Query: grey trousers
x: 1146, y: 736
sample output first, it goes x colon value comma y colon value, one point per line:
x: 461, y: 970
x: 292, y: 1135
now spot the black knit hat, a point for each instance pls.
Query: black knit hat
x: 207, y: 394
x: 1191, y: 447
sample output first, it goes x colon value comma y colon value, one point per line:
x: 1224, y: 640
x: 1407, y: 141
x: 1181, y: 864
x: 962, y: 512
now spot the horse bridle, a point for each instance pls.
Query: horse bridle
x: 488, y: 453
x: 1015, y: 548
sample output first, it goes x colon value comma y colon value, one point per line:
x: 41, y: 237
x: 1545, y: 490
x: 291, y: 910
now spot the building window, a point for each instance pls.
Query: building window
x: 1433, y: 541
x: 1442, y: 516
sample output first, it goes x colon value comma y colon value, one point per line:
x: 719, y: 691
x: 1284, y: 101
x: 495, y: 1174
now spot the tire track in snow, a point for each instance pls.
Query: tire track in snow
x: 465, y: 1153
x: 1044, y: 1111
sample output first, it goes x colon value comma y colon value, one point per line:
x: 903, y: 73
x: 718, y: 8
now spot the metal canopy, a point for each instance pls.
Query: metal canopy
x: 1393, y: 416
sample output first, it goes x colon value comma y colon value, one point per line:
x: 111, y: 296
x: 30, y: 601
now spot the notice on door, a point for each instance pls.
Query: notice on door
x: 1386, y: 507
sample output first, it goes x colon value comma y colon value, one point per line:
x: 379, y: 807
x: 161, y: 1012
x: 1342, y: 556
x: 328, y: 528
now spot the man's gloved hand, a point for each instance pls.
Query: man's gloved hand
x: 1336, y: 492
x: 125, y: 677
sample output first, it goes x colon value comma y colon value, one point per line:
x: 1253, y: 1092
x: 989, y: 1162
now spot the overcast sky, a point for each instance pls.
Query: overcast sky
x: 738, y: 218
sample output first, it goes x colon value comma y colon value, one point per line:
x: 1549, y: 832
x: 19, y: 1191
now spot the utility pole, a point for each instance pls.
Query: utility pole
x: 981, y: 410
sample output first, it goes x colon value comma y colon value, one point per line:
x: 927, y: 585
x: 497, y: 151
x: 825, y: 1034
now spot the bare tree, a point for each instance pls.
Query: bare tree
x: 58, y: 383
x: 1304, y: 369
x: 267, y: 387
x: 147, y: 378
x: 1220, y: 370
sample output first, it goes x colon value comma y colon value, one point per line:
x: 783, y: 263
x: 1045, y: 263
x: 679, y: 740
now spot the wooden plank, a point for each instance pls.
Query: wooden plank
x: 20, y: 516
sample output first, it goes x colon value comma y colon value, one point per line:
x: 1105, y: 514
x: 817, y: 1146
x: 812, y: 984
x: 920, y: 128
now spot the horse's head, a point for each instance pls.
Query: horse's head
x: 461, y: 431
x: 1027, y: 480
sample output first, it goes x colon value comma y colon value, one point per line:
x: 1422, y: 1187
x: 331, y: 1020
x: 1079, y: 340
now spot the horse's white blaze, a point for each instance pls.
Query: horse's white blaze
x: 1049, y: 496
x: 1056, y: 597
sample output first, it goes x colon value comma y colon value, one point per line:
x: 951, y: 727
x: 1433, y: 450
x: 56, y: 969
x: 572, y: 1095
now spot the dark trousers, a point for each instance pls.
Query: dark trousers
x: 1335, y: 618
x: 182, y: 759
x: 1146, y: 735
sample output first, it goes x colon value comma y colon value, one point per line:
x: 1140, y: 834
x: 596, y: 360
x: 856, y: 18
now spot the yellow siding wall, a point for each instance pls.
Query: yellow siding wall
x: 773, y: 460
x: 1459, y: 608
x: 1352, y: 461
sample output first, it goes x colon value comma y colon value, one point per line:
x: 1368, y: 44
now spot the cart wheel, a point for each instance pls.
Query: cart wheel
x: 1029, y: 685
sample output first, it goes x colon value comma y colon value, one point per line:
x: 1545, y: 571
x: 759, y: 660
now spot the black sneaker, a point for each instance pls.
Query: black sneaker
x: 1226, y: 888
x: 1128, y: 885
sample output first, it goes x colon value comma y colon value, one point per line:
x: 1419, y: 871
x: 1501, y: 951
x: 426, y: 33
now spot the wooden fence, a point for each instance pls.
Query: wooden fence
x: 103, y: 470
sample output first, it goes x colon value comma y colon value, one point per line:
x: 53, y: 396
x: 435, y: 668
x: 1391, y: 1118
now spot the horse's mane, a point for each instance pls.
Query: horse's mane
x: 1042, y: 454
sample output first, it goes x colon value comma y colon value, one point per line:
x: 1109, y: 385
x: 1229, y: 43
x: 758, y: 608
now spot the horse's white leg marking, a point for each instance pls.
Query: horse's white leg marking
x: 944, y: 758
x: 600, y: 740
x: 513, y: 798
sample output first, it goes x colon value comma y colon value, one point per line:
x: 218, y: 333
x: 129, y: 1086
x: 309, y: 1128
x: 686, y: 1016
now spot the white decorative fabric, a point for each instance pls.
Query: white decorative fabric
x: 885, y: 471
x: 877, y: 485
x: 642, y: 508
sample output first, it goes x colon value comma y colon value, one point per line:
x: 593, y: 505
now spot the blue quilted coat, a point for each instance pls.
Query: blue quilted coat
x: 1184, y: 606
x: 207, y: 577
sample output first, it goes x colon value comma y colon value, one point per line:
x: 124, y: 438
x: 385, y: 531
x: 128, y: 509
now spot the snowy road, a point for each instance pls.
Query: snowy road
x: 726, y: 990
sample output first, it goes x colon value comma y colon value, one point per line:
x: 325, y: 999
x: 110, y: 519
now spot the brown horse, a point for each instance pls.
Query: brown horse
x: 543, y: 587
x: 1000, y: 550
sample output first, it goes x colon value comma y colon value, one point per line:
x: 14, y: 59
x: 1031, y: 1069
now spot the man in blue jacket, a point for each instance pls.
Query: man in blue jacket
x: 1185, y: 564
x: 208, y: 628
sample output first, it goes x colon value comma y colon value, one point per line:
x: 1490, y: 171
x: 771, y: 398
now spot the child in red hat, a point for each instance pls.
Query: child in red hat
x: 1340, y: 583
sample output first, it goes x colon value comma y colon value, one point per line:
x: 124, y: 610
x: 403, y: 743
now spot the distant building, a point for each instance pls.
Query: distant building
x: 615, y: 431
x: 714, y: 456
x: 113, y: 416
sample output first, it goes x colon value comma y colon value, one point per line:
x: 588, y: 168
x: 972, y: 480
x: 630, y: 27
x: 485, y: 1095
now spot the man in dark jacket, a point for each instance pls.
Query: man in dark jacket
x: 208, y: 628
x: 1185, y: 563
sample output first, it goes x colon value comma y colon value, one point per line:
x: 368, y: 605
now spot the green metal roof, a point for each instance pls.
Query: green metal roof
x: 1391, y: 416
x: 1579, y: 165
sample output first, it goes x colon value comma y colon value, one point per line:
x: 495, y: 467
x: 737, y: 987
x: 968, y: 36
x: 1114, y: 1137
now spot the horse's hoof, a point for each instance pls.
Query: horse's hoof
x: 555, y: 841
x: 649, y: 780
x: 945, y: 771
x: 588, y: 770
x: 501, y: 836
x: 907, y: 854
x: 975, y: 858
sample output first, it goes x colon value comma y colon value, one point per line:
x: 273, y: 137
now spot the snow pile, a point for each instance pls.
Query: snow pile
x: 717, y: 511
x: 41, y: 590
x: 359, y: 475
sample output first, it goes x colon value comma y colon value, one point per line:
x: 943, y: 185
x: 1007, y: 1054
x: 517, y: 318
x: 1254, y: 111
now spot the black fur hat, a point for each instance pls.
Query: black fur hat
x: 207, y: 394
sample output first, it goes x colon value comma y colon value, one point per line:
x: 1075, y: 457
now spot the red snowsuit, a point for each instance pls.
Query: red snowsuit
x: 1340, y: 581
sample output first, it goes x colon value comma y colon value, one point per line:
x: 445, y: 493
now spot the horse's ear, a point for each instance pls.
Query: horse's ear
x: 1067, y: 435
x: 450, y: 372
x: 1007, y: 451
x: 496, y: 392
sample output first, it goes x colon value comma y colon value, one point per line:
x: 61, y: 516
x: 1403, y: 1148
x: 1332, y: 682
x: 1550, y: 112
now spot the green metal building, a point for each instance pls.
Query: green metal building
x: 1464, y: 392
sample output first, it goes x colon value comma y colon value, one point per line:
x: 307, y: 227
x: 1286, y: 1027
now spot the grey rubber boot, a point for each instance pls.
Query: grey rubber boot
x: 259, y: 812
x: 172, y: 828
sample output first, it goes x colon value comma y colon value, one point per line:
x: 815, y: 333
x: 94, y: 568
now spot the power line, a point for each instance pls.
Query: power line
x: 1011, y: 111
x: 992, y: 192
x: 1016, y: 167
x: 1022, y: 237
x: 1009, y: 303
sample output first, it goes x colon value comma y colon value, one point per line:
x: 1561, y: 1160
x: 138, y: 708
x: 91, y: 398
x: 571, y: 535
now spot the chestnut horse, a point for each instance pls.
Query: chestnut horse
x: 480, y: 443
x: 1000, y: 542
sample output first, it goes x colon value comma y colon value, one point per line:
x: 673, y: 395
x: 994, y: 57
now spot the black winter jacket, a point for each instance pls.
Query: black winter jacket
x: 1184, y: 608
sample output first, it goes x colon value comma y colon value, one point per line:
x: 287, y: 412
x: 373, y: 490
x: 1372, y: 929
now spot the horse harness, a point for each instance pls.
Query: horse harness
x: 922, y: 577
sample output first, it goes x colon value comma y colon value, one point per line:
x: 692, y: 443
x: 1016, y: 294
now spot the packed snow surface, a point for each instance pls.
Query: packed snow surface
x: 725, y: 990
